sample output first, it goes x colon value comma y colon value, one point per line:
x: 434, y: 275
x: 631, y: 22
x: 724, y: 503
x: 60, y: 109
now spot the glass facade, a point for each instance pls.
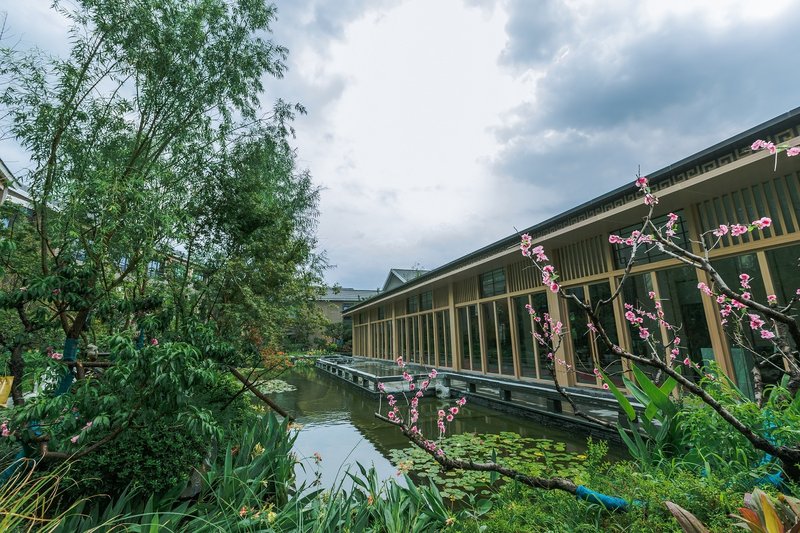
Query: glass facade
x: 490, y: 338
x: 683, y: 308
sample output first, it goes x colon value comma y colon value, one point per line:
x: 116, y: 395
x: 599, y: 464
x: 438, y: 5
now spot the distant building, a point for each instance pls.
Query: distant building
x: 336, y: 301
x: 400, y: 276
x: 470, y: 314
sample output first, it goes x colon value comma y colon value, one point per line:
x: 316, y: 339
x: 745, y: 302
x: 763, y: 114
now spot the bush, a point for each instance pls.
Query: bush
x: 153, y: 458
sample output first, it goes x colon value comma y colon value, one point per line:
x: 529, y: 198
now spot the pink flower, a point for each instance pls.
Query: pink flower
x: 755, y: 321
x: 57, y: 356
x: 793, y: 151
x: 449, y: 418
x: 758, y: 145
x: 381, y: 386
x: 772, y: 299
x: 738, y: 229
x: 763, y: 222
x: 605, y: 386
x: 687, y: 362
x: 441, y: 413
x: 641, y: 182
x: 411, y: 386
x: 554, y: 286
x: 454, y: 410
x: 87, y: 426
x: 704, y: 288
x: 673, y: 354
x: 643, y: 333
x: 391, y: 415
x: 539, y: 252
x: 630, y: 316
x: 722, y: 230
x: 400, y: 362
x: 461, y: 401
x: 407, y: 376
x: 74, y: 439
x: 153, y: 342
x: 650, y: 199
x: 433, y: 374
x: 766, y: 334
x: 721, y: 299
x: 744, y: 280
x: 651, y: 295
x: 615, y: 239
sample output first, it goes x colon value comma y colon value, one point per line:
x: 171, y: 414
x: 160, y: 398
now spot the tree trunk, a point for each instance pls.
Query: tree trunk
x: 17, y: 370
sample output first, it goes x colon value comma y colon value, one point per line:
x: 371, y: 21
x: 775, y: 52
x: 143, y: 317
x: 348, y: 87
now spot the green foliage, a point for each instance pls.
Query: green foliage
x: 519, y: 508
x: 528, y: 455
x: 151, y: 459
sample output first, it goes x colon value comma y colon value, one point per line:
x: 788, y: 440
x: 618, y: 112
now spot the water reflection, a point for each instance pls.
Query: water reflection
x: 339, y: 424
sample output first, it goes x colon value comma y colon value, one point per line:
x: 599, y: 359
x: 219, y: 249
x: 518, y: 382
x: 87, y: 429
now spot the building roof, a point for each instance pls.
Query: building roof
x: 347, y: 294
x: 400, y: 276
x: 778, y: 129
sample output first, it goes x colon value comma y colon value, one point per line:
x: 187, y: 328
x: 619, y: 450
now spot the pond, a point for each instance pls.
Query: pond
x: 338, y: 425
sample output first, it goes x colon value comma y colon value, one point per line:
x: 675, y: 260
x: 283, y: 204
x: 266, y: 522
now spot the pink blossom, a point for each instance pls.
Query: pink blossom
x: 687, y: 362
x: 449, y: 418
x: 381, y: 386
x: 57, y: 356
x: 454, y: 410
x: 650, y: 199
x: 433, y: 374
x: 411, y: 386
x: 766, y: 334
x: 461, y: 401
x: 529, y: 307
x: 605, y: 386
x: 441, y: 413
x: 641, y: 182
x: 615, y: 239
x: 704, y: 288
x: 755, y: 321
x: 630, y: 316
x: 4, y: 429
x: 591, y: 327
x: 400, y: 362
x: 763, y: 222
x: 153, y: 342
x: 651, y: 295
x: 722, y: 230
x: 539, y: 252
x: 744, y: 280
x: 554, y: 286
x: 793, y: 151
x: 673, y: 354
x: 758, y: 145
x: 391, y: 415
x: 772, y: 299
x: 721, y: 299
x: 738, y: 229
x: 407, y: 376
x: 74, y: 439
x: 746, y: 295
x: 643, y: 333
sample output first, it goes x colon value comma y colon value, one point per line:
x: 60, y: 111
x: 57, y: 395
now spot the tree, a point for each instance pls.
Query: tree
x: 165, y: 204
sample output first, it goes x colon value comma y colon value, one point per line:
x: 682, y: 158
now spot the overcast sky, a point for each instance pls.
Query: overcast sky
x: 436, y: 127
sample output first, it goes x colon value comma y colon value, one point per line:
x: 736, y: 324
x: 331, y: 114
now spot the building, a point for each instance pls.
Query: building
x: 336, y: 301
x: 400, y: 276
x: 469, y: 315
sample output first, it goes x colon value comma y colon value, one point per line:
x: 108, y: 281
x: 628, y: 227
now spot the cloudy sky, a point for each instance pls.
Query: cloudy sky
x: 436, y: 127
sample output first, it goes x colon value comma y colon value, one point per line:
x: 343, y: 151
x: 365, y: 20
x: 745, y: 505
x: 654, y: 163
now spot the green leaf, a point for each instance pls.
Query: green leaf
x: 621, y: 399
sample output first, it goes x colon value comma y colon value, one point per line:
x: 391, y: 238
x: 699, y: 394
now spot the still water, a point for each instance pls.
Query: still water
x: 338, y: 424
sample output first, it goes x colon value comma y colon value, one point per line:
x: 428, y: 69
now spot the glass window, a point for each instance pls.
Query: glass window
x: 683, y: 308
x: 646, y: 253
x: 474, y: 338
x: 426, y: 301
x: 504, y: 338
x: 606, y: 359
x: 493, y: 283
x: 443, y: 334
x: 527, y: 355
x: 463, y: 330
x: 784, y: 268
x: 579, y: 335
x: 490, y: 336
x: 539, y: 303
x: 412, y: 304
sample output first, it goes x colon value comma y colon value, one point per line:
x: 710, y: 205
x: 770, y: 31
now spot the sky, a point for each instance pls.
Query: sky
x: 436, y: 127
